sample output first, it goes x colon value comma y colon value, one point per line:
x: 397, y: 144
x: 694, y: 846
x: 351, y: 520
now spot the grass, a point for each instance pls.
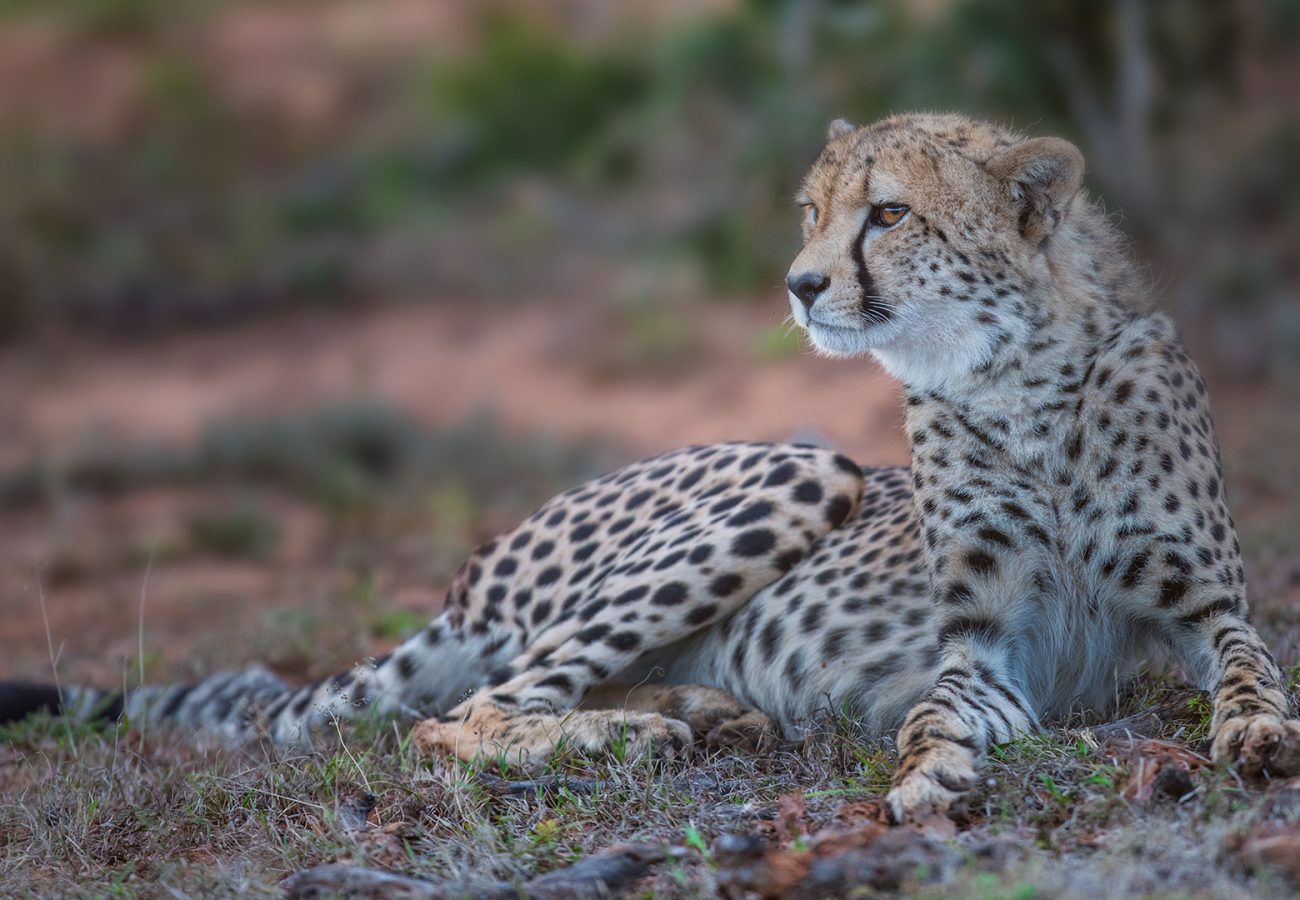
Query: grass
x: 102, y: 811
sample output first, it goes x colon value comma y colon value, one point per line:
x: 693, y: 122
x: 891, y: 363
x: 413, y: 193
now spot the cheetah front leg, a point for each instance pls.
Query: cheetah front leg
x: 1252, y: 726
x: 1200, y: 599
x: 985, y: 581
x: 972, y: 706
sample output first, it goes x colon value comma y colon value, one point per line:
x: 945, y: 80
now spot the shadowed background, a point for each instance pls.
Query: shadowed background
x: 301, y: 299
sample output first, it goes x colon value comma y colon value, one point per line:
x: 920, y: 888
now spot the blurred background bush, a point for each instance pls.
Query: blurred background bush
x: 179, y: 161
x: 400, y: 268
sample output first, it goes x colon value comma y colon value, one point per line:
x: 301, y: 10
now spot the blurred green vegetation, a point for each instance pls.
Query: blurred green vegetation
x: 539, y: 161
x: 241, y: 531
x: 108, y: 16
x: 355, y: 487
x: 340, y: 457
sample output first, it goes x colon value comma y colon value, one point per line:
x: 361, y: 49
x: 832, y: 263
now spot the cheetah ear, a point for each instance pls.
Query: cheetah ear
x: 1042, y: 175
x: 839, y: 128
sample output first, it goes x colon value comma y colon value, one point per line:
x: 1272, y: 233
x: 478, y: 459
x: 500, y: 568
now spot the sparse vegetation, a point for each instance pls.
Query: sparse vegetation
x: 338, y: 456
x: 242, y: 531
x: 1073, y: 812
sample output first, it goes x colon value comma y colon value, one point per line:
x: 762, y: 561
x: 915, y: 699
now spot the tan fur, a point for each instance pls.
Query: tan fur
x: 1064, y: 461
x: 1064, y: 518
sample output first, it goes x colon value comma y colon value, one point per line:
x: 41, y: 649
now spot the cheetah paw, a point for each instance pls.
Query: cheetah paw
x: 932, y: 785
x: 752, y: 732
x: 530, y: 740
x: 1259, y: 744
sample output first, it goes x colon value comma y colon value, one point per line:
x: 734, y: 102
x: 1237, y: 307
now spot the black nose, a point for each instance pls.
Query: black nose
x: 807, y: 287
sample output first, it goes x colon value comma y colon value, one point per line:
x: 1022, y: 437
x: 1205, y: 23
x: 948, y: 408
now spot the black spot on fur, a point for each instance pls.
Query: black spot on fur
x: 592, y: 633
x: 838, y: 509
x: 582, y: 532
x: 631, y: 595
x: 979, y: 627
x: 701, y: 614
x: 844, y: 464
x: 754, y: 542
x: 787, y: 559
x: 1172, y: 591
x: 691, y: 479
x: 624, y: 640
x: 770, y: 639
x: 755, y: 512
x: 781, y: 474
x: 808, y: 492
x: 557, y: 680
x: 725, y: 585
x: 981, y: 562
x: 670, y: 594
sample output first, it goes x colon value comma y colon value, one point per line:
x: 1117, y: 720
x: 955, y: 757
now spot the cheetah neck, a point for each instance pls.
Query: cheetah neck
x: 1020, y: 395
x: 1062, y: 302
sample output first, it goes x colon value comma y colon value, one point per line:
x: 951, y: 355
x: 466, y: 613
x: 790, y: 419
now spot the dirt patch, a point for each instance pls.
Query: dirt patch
x: 441, y: 362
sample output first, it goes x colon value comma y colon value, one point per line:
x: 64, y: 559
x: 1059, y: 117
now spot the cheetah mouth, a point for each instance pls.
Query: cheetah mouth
x: 838, y: 340
x: 840, y: 329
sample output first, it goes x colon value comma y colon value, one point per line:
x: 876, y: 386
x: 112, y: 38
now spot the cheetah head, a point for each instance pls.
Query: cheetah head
x: 925, y: 238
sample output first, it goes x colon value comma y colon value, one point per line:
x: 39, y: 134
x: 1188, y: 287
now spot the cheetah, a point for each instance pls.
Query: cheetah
x: 1063, y: 520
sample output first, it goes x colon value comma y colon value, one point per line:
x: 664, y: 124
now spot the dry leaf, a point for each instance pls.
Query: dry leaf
x: 1272, y: 845
x: 790, y: 811
x: 1159, y: 768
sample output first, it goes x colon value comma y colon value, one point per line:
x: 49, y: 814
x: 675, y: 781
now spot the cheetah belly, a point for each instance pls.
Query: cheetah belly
x: 848, y: 630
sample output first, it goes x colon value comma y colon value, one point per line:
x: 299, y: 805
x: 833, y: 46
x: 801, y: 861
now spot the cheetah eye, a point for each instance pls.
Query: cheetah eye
x: 887, y: 215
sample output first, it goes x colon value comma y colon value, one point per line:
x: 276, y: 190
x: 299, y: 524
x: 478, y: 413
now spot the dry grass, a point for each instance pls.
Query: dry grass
x: 92, y: 812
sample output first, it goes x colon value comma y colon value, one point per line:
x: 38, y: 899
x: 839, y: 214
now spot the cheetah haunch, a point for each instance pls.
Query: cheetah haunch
x: 1064, y: 518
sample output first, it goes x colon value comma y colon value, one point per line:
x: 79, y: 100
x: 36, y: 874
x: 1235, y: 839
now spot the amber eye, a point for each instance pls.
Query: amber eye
x: 888, y: 215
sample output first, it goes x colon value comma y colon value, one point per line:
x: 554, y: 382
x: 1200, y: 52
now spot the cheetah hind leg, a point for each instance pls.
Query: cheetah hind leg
x: 707, y: 529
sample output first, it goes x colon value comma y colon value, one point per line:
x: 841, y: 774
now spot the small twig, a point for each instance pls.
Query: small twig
x: 545, y: 783
x: 597, y: 876
x: 139, y: 637
x: 356, y: 765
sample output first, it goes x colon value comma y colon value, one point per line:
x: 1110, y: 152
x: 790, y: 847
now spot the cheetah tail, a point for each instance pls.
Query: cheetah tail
x: 424, y: 676
x: 20, y: 699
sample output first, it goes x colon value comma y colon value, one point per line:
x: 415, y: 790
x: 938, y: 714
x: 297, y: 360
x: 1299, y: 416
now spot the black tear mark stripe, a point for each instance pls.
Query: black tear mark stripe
x: 866, y: 283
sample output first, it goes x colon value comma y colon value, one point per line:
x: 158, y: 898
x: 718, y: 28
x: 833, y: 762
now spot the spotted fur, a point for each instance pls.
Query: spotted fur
x: 1064, y: 519
x: 1067, y: 481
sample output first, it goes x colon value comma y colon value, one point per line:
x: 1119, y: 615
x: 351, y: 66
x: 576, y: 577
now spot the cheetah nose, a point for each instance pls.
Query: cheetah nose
x: 807, y: 287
